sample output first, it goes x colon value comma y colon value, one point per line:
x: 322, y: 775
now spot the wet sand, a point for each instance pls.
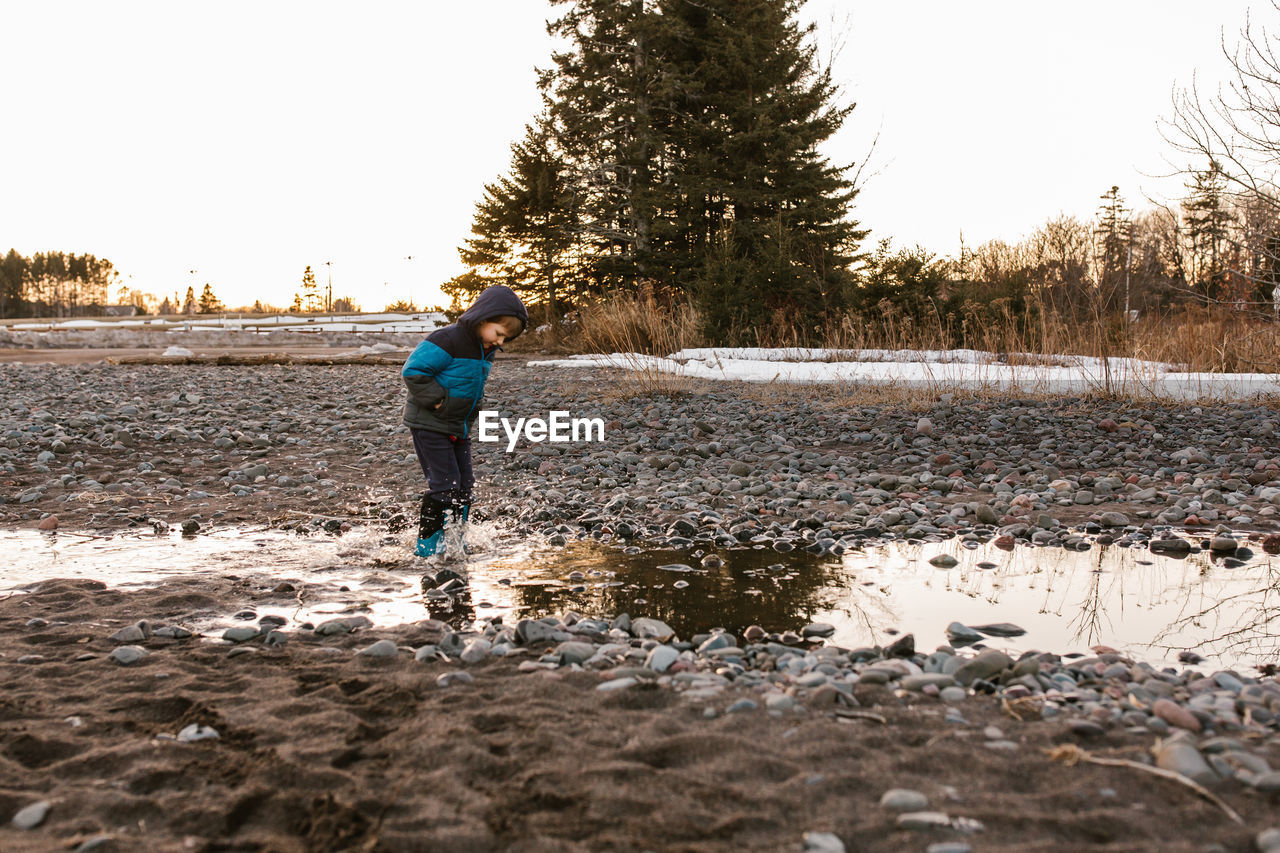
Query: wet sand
x: 320, y: 749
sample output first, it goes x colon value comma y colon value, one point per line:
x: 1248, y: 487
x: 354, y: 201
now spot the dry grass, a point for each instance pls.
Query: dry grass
x: 1196, y: 338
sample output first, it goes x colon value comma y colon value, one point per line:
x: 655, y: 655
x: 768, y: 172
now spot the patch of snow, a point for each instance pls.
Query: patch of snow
x: 178, y: 352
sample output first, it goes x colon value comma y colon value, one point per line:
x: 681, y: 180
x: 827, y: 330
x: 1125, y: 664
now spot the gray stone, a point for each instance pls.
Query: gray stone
x: 917, y: 683
x: 661, y: 658
x: 476, y: 651
x: 960, y: 633
x: 127, y: 655
x: 448, y: 679
x: 923, y: 821
x: 818, y: 629
x: 822, y: 842
x: 615, y: 684
x: 380, y: 649
x: 29, y: 817
x: 1180, y: 755
x: 985, y: 665
x: 943, y: 561
x: 531, y: 631
x: 134, y: 633
x: 241, y: 633
x: 574, y: 652
x: 1268, y: 841
x: 1113, y: 519
x: 903, y: 800
x: 651, y: 629
x: 195, y: 732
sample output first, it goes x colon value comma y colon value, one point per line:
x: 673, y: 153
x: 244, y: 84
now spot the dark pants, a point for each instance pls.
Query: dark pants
x: 446, y: 462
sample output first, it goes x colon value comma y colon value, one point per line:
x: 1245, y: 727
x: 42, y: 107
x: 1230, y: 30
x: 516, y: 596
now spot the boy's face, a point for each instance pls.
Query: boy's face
x: 495, y: 332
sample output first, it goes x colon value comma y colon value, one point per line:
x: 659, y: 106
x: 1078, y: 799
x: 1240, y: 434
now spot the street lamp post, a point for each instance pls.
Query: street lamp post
x: 328, y: 302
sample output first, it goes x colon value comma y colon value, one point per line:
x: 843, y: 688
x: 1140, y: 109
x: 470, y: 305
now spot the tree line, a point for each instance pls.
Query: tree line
x: 677, y: 152
x: 54, y: 284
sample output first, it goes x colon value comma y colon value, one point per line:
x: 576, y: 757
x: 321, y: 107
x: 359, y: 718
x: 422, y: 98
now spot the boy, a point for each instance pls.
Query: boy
x: 445, y: 376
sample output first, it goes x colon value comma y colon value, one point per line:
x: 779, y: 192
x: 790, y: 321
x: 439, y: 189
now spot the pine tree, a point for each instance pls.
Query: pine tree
x: 1112, y: 239
x: 189, y: 303
x: 1208, y: 219
x: 524, y: 230
x: 310, y: 293
x: 209, y: 303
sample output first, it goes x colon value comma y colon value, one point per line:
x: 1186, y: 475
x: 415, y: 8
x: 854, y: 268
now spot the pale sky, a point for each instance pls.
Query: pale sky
x: 245, y: 141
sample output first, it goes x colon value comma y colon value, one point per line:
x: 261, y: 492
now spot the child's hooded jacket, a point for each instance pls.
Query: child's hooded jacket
x: 450, y: 367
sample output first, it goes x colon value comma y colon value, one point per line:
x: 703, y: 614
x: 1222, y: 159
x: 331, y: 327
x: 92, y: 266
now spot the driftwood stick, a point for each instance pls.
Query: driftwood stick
x: 1071, y: 755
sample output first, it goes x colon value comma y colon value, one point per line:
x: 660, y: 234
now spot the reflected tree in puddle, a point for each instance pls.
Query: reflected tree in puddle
x: 1239, y: 623
x: 753, y: 587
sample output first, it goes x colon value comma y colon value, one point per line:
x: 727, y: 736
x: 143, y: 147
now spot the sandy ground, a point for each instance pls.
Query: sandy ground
x: 321, y: 750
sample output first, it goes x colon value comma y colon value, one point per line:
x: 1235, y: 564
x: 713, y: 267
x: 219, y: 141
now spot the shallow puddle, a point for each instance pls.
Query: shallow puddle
x: 1149, y: 605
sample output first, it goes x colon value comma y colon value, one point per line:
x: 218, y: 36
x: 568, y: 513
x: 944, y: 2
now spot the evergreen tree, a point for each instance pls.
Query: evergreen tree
x: 524, y: 230
x: 209, y: 303
x: 1208, y: 218
x: 1112, y: 238
x: 189, y: 303
x: 751, y: 185
x: 310, y: 293
x: 679, y: 149
x: 13, y: 271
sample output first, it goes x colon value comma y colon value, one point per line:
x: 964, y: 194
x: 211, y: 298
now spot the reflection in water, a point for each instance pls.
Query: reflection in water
x: 1150, y: 605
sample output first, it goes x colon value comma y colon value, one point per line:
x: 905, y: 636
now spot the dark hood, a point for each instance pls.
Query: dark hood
x: 495, y: 301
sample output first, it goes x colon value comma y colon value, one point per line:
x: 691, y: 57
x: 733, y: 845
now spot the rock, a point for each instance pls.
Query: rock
x: 1113, y: 519
x: 1000, y: 629
x: 661, y: 658
x: 1223, y: 545
x: 29, y: 817
x: 574, y: 652
x: 477, y: 650
x: 917, y: 683
x: 448, y: 679
x: 754, y: 634
x: 923, y: 821
x: 241, y: 633
x: 1171, y: 545
x: 1180, y: 755
x: 127, y: 655
x: 651, y: 629
x: 943, y: 561
x: 818, y: 629
x: 1268, y: 841
x: 903, y: 800
x: 903, y: 647
x: 134, y: 633
x: 985, y: 665
x: 822, y: 842
x: 534, y: 631
x: 959, y: 633
x: 49, y: 522
x: 1175, y: 715
x: 616, y: 684
x: 195, y: 732
x: 380, y: 649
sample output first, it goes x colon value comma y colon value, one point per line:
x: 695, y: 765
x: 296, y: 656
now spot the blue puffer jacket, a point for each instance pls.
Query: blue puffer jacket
x: 450, y: 367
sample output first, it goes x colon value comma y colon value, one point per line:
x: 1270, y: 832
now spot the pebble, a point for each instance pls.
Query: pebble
x: 29, y: 817
x: 127, y: 655
x: 448, y: 679
x: 241, y: 633
x: 195, y: 732
x: 380, y: 649
x: 822, y: 842
x: 903, y: 800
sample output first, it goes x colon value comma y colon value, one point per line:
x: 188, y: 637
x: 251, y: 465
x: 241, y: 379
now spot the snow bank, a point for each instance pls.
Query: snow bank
x: 941, y: 371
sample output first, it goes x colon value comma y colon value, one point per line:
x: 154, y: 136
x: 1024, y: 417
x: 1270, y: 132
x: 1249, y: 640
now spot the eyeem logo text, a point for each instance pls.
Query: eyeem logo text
x: 558, y: 427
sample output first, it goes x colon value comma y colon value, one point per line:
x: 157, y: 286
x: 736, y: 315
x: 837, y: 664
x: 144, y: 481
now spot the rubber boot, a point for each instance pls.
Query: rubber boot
x: 431, y: 520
